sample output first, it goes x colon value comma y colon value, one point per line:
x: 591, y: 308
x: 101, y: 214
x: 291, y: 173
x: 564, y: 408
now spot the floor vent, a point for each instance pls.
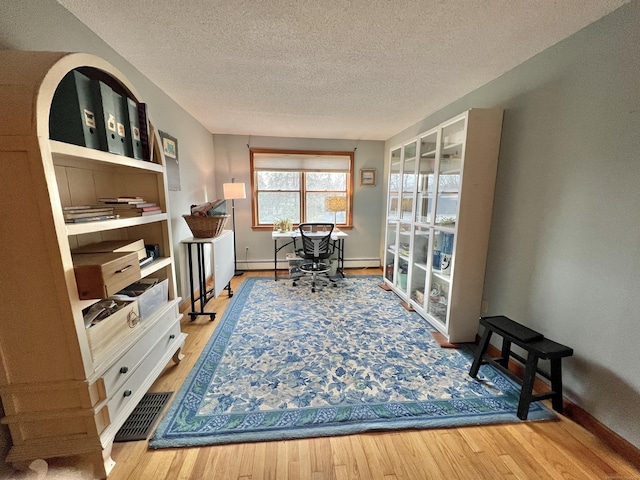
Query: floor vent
x: 143, y: 418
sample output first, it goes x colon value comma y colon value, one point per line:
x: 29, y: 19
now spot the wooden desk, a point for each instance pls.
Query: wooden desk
x: 337, y: 238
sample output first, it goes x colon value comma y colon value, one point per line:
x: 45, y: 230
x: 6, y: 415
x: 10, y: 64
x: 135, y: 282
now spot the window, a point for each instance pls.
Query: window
x: 296, y: 185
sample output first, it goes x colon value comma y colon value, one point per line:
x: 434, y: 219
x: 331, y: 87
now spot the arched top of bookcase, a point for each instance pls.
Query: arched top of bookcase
x: 31, y: 79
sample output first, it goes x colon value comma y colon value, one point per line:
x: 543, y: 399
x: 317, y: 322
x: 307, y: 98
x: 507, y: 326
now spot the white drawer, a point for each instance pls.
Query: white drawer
x: 129, y: 390
x: 124, y: 367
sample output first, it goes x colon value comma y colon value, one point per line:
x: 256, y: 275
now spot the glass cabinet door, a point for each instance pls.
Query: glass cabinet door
x: 420, y: 263
x: 425, y: 178
x: 395, y: 170
x: 404, y: 247
x: 441, y: 267
x: 408, y: 181
x: 449, y: 173
x: 391, y: 248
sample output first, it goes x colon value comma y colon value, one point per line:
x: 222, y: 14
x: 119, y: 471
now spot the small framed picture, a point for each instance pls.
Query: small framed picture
x: 368, y: 176
x: 170, y: 149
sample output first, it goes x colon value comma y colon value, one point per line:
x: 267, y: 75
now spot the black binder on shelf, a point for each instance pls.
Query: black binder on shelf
x: 133, y: 121
x: 111, y: 116
x: 73, y: 117
x: 144, y: 131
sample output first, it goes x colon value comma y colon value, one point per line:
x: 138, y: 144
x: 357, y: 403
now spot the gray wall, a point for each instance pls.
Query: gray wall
x: 362, y: 247
x: 564, y: 254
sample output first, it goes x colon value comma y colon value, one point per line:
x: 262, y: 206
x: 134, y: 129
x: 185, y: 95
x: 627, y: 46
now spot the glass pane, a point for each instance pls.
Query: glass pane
x: 426, y: 176
x: 394, y: 183
x: 453, y: 135
x: 449, y: 174
x: 404, y: 244
x: 438, y: 303
x: 442, y: 264
x: 419, y: 266
x: 410, y: 151
x: 391, y: 248
x: 408, y: 181
x: 443, y: 252
x: 277, y: 206
x: 447, y: 204
x: 278, y: 180
x: 317, y: 209
x: 326, y: 181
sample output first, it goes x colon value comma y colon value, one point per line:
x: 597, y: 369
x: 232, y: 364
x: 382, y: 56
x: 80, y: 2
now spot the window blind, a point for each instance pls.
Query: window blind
x: 299, y: 162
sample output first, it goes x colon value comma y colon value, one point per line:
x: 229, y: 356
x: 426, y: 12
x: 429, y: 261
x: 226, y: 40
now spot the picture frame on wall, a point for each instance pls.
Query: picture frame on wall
x: 368, y: 177
x: 170, y: 150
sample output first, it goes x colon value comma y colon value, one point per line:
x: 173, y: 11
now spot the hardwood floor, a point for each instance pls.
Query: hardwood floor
x: 538, y: 450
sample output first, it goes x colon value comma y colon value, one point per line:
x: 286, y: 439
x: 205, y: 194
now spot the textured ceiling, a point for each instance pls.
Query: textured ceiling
x: 356, y: 69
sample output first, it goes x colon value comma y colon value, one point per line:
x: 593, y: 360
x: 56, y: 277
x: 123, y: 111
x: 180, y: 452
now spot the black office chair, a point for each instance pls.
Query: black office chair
x: 317, y: 247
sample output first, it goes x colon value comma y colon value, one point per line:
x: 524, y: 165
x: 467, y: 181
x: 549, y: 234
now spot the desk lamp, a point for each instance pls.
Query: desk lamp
x: 234, y: 191
x: 335, y: 205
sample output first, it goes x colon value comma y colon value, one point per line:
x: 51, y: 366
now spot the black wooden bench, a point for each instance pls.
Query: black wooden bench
x: 536, y: 347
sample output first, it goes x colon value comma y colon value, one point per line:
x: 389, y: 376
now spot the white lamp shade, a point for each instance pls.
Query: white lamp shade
x: 335, y: 204
x: 233, y: 191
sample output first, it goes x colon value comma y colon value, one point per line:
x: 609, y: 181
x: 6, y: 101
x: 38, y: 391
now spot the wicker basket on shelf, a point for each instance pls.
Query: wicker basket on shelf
x: 206, y: 227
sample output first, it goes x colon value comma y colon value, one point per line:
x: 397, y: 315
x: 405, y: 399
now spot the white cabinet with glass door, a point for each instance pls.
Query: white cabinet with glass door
x: 399, y: 215
x: 438, y: 220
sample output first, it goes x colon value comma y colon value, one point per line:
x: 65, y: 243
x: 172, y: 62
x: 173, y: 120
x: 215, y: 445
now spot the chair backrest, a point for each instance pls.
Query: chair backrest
x: 316, y: 240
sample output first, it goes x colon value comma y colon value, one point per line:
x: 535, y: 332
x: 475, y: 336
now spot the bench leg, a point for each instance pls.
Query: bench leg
x: 556, y: 384
x: 480, y: 351
x: 526, y: 393
x: 506, y: 353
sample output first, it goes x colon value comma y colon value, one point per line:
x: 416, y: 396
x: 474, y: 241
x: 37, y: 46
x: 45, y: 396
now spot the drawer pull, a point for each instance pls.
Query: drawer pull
x: 127, y: 393
x: 124, y: 369
x: 124, y: 269
x: 172, y: 336
x: 132, y: 319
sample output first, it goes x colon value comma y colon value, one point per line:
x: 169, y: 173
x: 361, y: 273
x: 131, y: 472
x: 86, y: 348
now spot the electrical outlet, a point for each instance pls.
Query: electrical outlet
x: 484, y: 306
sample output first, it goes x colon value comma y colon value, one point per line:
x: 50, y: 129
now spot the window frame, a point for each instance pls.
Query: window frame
x: 349, y: 186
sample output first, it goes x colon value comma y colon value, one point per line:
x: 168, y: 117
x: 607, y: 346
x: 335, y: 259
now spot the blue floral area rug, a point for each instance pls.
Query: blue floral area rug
x: 287, y: 363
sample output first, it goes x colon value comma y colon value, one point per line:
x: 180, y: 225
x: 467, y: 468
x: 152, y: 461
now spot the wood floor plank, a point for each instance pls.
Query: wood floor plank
x: 184, y: 463
x: 259, y: 467
x: 480, y: 462
x: 415, y: 457
x: 359, y: 457
x: 525, y: 450
x: 548, y: 456
x: 345, y: 465
x: 376, y: 455
x: 202, y: 465
x: 246, y: 460
x: 435, y: 442
x: 322, y: 459
x: 597, y: 450
x: 390, y: 441
x: 501, y: 443
x: 271, y: 461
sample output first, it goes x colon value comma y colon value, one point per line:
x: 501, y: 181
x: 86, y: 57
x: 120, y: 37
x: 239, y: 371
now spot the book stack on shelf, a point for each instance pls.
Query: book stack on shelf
x: 130, y: 206
x: 89, y: 213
